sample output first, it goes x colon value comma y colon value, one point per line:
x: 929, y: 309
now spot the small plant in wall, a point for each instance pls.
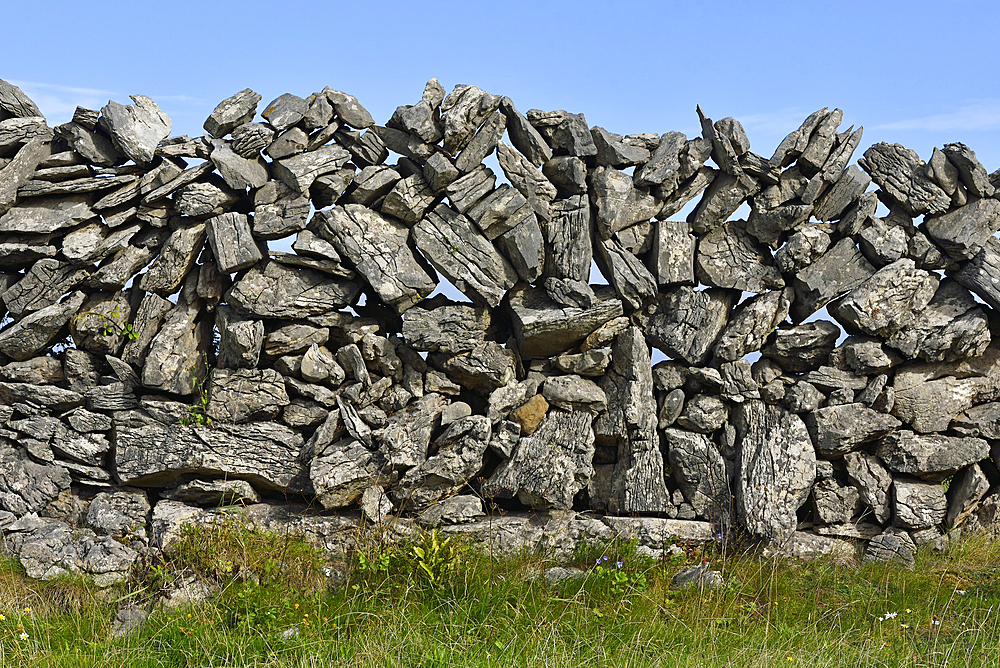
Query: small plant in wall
x: 198, y: 411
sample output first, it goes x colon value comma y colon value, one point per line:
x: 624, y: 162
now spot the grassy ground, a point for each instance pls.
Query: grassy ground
x: 437, y: 604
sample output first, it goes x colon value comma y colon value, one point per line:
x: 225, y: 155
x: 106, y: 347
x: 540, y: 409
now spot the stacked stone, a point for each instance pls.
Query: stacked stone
x: 157, y: 352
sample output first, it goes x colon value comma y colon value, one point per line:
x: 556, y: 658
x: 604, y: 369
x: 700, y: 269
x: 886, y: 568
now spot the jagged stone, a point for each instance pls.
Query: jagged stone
x: 573, y: 393
x: 462, y: 112
x: 775, y: 469
x: 684, y: 324
x: 589, y: 363
x: 501, y: 211
x: 136, y: 129
x: 543, y: 328
x: 448, y: 329
x: 768, y: 226
x: 373, y: 183
x: 672, y: 258
x: 902, y: 175
x: 213, y: 493
x: 703, y: 414
x: 613, y: 152
x: 451, y: 242
x: 549, y: 467
x: 483, y: 143
x: 523, y: 135
x: 951, y: 327
x: 459, y: 453
x: 243, y: 395
x: 804, y: 347
x: 632, y: 281
x: 523, y: 175
x: 851, y: 184
x: 26, y: 486
x: 237, y: 171
x: 342, y: 473
x: 46, y: 215
x: 25, y: 338
x: 465, y: 191
x: 890, y: 548
x: 866, y: 473
x: 300, y: 171
x: 701, y: 474
x: 175, y: 362
x: 378, y: 247
x: 883, y: 243
x: 753, y: 322
x: 970, y: 171
x: 37, y: 371
x: 409, y: 199
x: 840, y: 269
x: 723, y: 196
x: 176, y: 258
x: 150, y: 454
x: 349, y: 109
x: 837, y: 430
x: 406, y: 436
x: 285, y: 111
x: 962, y: 233
x: 276, y: 291
x: 663, y: 167
x: 918, y: 505
x: 929, y: 457
x: 232, y: 112
x: 484, y: 368
x: 834, y: 503
x: 887, y: 301
x: 42, y: 285
x: 981, y: 274
x: 524, y: 246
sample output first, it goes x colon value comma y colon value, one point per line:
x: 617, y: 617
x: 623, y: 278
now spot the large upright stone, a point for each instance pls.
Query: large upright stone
x: 630, y: 278
x: 277, y: 291
x: 671, y: 259
x: 176, y: 258
x: 962, y: 233
x: 756, y: 318
x: 568, y: 248
x: 775, y: 470
x: 637, y: 484
x: 137, y: 129
x: 462, y: 112
x: 379, y: 249
x: 701, y: 474
x: 19, y: 171
x: 232, y: 244
x: 451, y: 242
x: 981, y: 274
x: 724, y: 195
x: 176, y: 362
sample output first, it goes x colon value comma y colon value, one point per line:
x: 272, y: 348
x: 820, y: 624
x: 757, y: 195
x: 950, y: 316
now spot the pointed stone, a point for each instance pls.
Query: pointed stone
x: 232, y: 112
x: 136, y: 129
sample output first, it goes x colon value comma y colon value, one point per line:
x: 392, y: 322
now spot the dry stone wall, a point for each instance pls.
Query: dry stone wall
x: 158, y: 357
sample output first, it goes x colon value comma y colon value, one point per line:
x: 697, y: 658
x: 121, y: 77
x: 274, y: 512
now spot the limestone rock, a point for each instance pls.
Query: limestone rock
x: 151, y: 454
x: 136, y: 129
x: 232, y: 112
x: 901, y: 174
x: 753, y: 322
x: 343, y: 471
x: 448, y: 329
x: 242, y: 395
x: 866, y: 473
x: 543, y: 328
x: 25, y: 338
x: 459, y: 456
x: 840, y: 269
x: 918, y: 505
x: 700, y: 471
x: 684, y: 324
x: 930, y: 457
x: 276, y: 291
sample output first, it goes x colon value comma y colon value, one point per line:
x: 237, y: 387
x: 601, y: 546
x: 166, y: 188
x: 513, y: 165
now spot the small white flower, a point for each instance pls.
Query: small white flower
x: 23, y: 636
x: 960, y: 592
x: 936, y: 622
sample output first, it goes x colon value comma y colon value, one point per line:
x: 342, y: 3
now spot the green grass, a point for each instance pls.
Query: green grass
x: 428, y: 604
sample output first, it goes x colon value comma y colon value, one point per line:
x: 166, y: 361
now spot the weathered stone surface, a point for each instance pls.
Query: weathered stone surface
x: 276, y: 291
x: 804, y: 347
x: 243, y: 395
x: 464, y: 192
x: 19, y: 170
x: 834, y: 503
x: 724, y: 195
x: 891, y: 548
x: 26, y: 486
x: 752, y: 323
x: 589, y: 363
x: 342, y: 473
x: 684, y: 324
x: 447, y: 329
x: 483, y: 143
x: 840, y: 269
x: 632, y: 281
x: 549, y: 467
x: 613, y: 152
x: 573, y: 393
x: 37, y: 371
x: 378, y: 247
x: 237, y: 171
x: 851, y: 184
x: 349, y: 109
x: 451, y: 242
x: 175, y: 260
x: 964, y: 494
x: 409, y: 199
x: 981, y: 274
x: 671, y: 260
x: 25, y: 338
x: 484, y: 368
x: 46, y: 215
x: 523, y: 135
x: 213, y: 493
x: 543, y: 328
x: 837, y: 430
x: 148, y: 319
x: 930, y: 457
x: 501, y: 211
x: 918, y: 505
x: 951, y: 327
x: 49, y: 549
x: 962, y: 233
x: 887, y: 301
x: 523, y: 175
x: 462, y: 112
x: 703, y: 413
x: 971, y: 172
x: 150, y: 454
x: 775, y: 469
x: 700, y: 471
x: 663, y: 167
x: 232, y: 244
x: 902, y: 175
x: 232, y: 112
x: 866, y: 473
x: 729, y: 258
x: 136, y: 129
x: 459, y: 452
x: 42, y: 285
x: 298, y: 172
x: 285, y: 111
x: 175, y: 362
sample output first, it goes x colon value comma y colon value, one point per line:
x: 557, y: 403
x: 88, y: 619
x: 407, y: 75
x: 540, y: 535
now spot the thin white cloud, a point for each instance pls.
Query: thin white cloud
x: 974, y: 115
x: 58, y: 103
x: 778, y: 123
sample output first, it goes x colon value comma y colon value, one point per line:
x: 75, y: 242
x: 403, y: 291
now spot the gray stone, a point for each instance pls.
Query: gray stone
x: 149, y: 453
x: 613, y: 152
x: 971, y: 172
x: 244, y: 395
x: 459, y: 452
x: 802, y: 397
x: 883, y: 243
x: 851, y: 184
x: 484, y: 368
x: 589, y: 363
x: 775, y: 470
x: 501, y: 211
x: 26, y: 486
x: 342, y: 473
x: 684, y: 324
x: 951, y: 327
x: 37, y: 371
x: 25, y: 338
x: 462, y: 112
x: 378, y: 247
x: 483, y: 143
x: 981, y: 274
x: 902, y: 175
x: 175, y: 362
x: 439, y: 172
x: 834, y: 503
x: 448, y: 329
x: 458, y: 250
x: 136, y: 129
x: 548, y: 468
x: 465, y: 191
x: 285, y: 111
x: 890, y: 548
x: 523, y: 175
x: 700, y: 472
x: 46, y: 215
x: 232, y: 244
x: 121, y: 514
x: 523, y: 135
x: 752, y: 323
x: 42, y: 285
x: 887, y: 301
x: 664, y: 163
x: 409, y: 199
x: 349, y: 109
x: 273, y: 290
x: 175, y: 261
x: 237, y: 171
x: 770, y: 225
x: 729, y: 258
x: 543, y: 328
x: 249, y: 139
x: 837, y: 430
x: 703, y: 414
x: 672, y: 258
x: 967, y: 489
x: 918, y: 505
x: 840, y: 269
x: 963, y: 232
x: 573, y: 393
x: 298, y: 172
x: 804, y: 347
x: 724, y: 195
x: 697, y: 576
x: 232, y: 112
x: 930, y: 457
x: 373, y: 183
x: 866, y: 473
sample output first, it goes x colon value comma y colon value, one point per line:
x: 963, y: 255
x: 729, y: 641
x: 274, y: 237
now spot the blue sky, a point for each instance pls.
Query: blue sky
x: 918, y: 73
